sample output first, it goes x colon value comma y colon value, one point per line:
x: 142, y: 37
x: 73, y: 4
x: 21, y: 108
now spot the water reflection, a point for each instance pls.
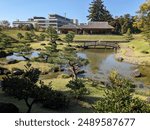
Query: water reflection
x: 102, y: 62
x: 17, y: 56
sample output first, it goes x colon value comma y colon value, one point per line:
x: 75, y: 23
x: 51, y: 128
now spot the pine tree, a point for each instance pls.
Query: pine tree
x: 98, y: 12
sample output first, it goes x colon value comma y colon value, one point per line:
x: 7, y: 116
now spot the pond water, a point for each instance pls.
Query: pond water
x: 102, y: 62
x: 17, y: 56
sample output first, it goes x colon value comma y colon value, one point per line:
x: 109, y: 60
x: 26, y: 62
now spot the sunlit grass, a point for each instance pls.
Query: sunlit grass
x: 44, y: 67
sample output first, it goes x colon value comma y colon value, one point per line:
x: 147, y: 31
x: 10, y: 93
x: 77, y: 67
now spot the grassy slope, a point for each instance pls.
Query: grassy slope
x: 136, y: 47
x: 13, y: 33
x: 136, y: 56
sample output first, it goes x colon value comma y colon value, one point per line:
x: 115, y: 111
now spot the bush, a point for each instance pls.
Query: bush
x: 145, y: 52
x: 43, y: 44
x: 8, y: 108
x: 78, y: 88
x: 65, y: 76
x: 119, y: 98
x: 57, y: 100
x: 3, y: 54
x: 56, y: 68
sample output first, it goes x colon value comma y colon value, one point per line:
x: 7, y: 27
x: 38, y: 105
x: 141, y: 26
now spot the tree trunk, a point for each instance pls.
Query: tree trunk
x: 73, y: 70
x: 29, y: 105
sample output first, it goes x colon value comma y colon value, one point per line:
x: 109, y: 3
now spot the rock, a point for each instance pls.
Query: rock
x: 62, y: 69
x: 43, y: 44
x: 8, y: 108
x: 141, y: 86
x: 136, y: 73
x: 55, y: 69
x: 44, y: 73
x: 38, y: 49
x: 81, y: 72
x: 77, y: 46
x: 4, y: 71
x: 120, y: 59
x: 148, y: 99
x: 16, y: 71
x: 12, y: 61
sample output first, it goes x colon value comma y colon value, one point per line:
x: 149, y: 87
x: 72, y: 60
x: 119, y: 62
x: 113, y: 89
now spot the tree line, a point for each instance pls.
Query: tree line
x: 121, y: 24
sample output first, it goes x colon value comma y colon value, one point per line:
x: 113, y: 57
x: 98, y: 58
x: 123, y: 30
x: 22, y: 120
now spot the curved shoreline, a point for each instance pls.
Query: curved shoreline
x: 129, y: 57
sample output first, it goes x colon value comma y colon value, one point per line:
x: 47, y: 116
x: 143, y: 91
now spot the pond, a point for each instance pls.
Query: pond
x: 17, y: 56
x: 102, y: 62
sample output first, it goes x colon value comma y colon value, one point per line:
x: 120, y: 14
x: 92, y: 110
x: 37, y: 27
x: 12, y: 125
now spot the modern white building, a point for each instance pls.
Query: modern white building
x: 54, y: 20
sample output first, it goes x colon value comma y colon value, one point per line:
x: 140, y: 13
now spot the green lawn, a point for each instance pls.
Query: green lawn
x: 13, y: 33
x: 44, y: 67
x: 97, y: 37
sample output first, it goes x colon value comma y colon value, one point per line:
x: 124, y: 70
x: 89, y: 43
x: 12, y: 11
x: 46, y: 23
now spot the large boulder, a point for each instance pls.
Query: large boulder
x: 17, y: 71
x: 136, y: 73
x: 8, y: 108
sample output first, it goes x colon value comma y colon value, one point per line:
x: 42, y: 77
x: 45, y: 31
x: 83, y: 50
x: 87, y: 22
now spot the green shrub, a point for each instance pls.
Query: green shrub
x: 145, y: 52
x: 65, y: 76
x: 57, y: 101
x: 78, y: 88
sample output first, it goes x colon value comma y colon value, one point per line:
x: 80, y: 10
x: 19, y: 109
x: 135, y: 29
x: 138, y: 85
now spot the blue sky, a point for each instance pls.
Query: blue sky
x: 24, y: 9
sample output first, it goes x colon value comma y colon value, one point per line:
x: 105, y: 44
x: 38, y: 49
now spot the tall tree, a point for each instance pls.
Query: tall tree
x: 98, y: 12
x: 4, y: 24
x: 144, y: 19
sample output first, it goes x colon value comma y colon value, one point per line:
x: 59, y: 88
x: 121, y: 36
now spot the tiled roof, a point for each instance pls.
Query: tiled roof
x: 69, y: 26
x: 90, y: 25
x: 97, y: 25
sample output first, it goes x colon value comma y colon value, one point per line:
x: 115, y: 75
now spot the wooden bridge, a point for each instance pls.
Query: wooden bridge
x: 107, y: 44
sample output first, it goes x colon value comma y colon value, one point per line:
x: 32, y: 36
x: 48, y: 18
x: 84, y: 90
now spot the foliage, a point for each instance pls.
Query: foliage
x: 26, y: 27
x: 20, y: 36
x: 69, y: 37
x: 52, y: 34
x: 143, y: 19
x: 8, y: 108
x: 50, y: 54
x: 28, y: 36
x: 4, y: 24
x: 129, y: 35
x: 78, y: 88
x: 98, y: 12
x: 119, y: 99
x: 123, y: 23
x: 41, y: 37
x: 57, y: 101
x: 24, y: 87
